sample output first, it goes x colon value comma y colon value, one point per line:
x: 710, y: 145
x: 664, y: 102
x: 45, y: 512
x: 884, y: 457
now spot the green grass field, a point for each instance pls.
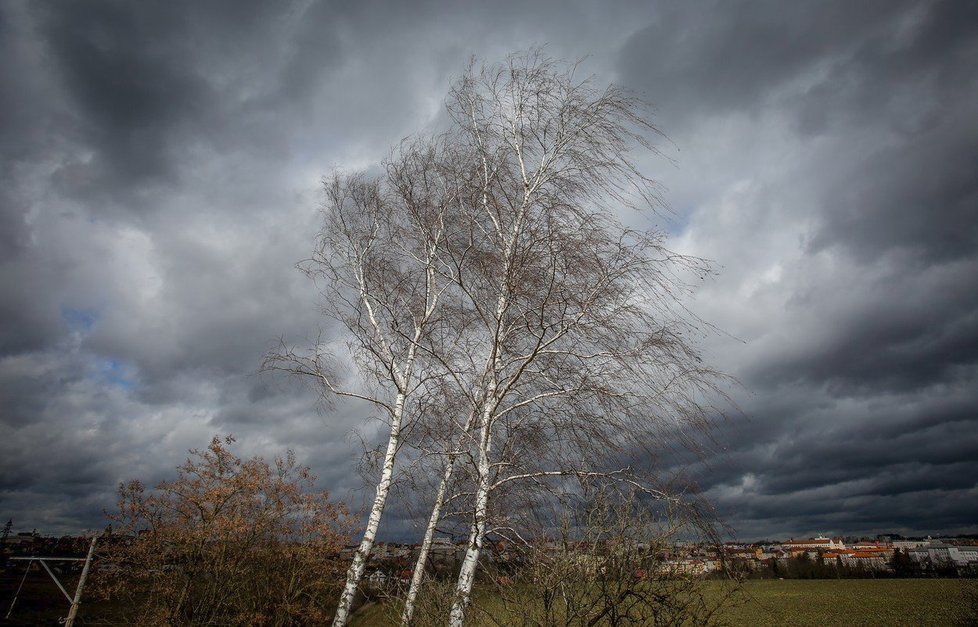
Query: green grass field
x: 943, y: 602
x: 856, y: 602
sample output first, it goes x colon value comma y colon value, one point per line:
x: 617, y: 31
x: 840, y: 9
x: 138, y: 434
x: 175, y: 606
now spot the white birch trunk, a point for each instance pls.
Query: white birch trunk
x: 355, y: 573
x: 466, y: 576
x: 429, y: 533
x: 417, y: 576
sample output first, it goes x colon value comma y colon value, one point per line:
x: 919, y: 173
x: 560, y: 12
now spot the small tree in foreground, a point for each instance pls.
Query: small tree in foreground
x: 613, y: 560
x: 609, y: 557
x: 229, y: 541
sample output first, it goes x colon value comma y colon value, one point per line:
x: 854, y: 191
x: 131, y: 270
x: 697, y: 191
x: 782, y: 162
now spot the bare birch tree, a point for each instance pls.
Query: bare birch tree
x: 576, y: 337
x: 377, y: 263
x: 485, y: 275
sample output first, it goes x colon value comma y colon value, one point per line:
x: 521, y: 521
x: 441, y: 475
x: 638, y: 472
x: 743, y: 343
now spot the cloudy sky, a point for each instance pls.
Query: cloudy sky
x: 161, y: 161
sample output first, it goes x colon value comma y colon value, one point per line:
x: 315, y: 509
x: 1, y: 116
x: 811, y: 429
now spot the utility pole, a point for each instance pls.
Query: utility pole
x: 70, y: 621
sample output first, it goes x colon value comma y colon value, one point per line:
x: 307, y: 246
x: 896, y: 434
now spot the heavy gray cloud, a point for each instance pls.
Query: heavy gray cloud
x: 830, y: 168
x: 161, y: 163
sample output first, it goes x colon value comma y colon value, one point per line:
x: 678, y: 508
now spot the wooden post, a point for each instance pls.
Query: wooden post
x: 70, y: 621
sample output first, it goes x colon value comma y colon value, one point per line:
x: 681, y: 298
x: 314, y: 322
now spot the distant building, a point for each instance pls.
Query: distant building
x: 937, y: 553
x: 870, y: 559
x: 795, y: 547
x: 909, y: 544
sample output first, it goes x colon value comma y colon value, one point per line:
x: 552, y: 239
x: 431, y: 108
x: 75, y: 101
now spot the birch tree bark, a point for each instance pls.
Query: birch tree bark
x: 424, y: 550
x: 377, y: 260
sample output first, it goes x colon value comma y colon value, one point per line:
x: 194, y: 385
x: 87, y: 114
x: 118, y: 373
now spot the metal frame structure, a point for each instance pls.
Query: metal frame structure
x: 74, y: 601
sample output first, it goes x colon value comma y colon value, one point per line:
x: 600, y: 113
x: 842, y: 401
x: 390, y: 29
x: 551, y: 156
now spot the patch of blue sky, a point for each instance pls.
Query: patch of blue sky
x: 79, y: 319
x: 670, y: 220
x: 678, y: 221
x: 116, y: 372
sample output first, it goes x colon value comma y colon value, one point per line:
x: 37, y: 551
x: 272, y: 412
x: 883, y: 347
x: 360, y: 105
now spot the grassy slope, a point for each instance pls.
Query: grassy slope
x: 820, y: 602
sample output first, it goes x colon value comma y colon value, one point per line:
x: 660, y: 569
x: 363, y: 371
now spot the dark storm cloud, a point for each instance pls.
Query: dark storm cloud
x: 916, y: 195
x: 117, y: 67
x: 814, y: 456
x: 160, y: 164
x: 916, y: 327
x: 906, y: 68
x: 14, y: 232
x: 923, y: 50
x: 723, y: 56
x: 834, y: 148
x: 137, y: 196
x: 149, y: 89
x: 23, y: 114
x: 731, y: 56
